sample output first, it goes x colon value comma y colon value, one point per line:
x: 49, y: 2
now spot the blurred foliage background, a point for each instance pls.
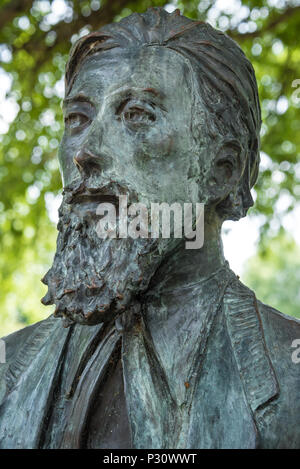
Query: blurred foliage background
x: 35, y: 37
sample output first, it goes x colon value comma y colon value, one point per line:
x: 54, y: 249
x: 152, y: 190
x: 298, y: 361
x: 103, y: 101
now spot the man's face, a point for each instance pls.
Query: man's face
x: 128, y: 121
x: 129, y: 115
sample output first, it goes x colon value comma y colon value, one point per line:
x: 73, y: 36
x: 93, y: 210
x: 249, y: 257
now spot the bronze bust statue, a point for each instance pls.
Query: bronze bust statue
x: 163, y: 347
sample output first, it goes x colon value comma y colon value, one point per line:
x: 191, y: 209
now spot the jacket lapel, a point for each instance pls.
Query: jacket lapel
x: 248, y: 344
x: 85, y: 391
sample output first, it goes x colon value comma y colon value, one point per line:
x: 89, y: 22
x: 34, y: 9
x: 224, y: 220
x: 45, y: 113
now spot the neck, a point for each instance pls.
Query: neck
x: 186, y: 266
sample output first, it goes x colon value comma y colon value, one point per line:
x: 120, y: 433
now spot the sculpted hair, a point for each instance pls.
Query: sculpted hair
x: 225, y: 78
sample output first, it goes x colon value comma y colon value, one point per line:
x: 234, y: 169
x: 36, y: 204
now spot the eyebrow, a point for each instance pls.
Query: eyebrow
x: 155, y: 92
x: 78, y: 97
x: 81, y: 97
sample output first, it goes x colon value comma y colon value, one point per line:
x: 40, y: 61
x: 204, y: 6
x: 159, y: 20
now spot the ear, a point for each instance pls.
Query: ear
x: 226, y: 170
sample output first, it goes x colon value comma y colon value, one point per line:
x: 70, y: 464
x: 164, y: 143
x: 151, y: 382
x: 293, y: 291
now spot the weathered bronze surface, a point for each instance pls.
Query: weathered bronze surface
x: 163, y: 347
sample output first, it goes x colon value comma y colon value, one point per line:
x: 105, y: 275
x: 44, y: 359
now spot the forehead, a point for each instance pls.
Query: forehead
x: 155, y: 67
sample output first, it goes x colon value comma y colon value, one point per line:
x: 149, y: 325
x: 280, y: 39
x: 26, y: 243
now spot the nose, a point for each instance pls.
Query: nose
x: 84, y: 158
x: 94, y: 155
x: 86, y: 161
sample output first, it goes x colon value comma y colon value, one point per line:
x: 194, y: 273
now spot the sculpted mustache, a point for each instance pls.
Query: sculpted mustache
x: 75, y: 191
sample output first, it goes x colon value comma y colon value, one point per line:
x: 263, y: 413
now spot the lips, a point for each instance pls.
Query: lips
x: 83, y: 194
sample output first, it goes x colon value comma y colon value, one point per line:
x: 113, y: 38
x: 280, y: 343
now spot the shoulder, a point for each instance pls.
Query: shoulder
x: 277, y: 327
x: 15, y: 342
x: 21, y: 348
x: 276, y: 322
x: 282, y: 334
x: 282, y: 338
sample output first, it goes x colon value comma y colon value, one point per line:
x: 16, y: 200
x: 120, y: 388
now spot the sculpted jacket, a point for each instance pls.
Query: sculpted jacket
x: 104, y: 387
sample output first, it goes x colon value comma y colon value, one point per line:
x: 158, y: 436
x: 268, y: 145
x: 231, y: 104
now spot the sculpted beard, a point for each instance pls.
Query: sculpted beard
x: 92, y: 280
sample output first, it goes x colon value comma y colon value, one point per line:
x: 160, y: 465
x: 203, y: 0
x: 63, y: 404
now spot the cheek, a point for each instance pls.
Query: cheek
x: 161, y: 146
x: 148, y: 154
x: 157, y: 144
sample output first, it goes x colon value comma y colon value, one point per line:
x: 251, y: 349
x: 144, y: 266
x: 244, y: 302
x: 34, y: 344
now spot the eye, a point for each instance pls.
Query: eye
x: 76, y: 120
x: 137, y: 114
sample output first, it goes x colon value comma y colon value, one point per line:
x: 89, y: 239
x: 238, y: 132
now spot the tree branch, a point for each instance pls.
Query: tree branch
x: 280, y: 18
x: 13, y: 9
x: 64, y: 31
x: 37, y: 46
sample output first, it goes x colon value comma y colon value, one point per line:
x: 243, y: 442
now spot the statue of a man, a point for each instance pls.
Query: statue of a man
x: 163, y: 346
